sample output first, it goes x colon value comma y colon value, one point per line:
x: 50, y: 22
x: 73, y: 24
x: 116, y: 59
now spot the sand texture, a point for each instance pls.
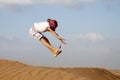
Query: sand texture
x: 12, y: 70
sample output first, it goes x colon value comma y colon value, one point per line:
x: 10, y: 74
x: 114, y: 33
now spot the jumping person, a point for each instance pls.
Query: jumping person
x: 50, y: 25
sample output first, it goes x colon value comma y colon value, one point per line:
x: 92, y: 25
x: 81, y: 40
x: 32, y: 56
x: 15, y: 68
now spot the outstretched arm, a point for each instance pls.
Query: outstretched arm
x: 56, y: 35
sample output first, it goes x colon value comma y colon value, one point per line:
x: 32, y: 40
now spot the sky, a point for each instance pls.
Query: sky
x: 90, y: 28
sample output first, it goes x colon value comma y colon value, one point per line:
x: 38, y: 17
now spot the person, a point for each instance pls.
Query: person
x: 50, y: 25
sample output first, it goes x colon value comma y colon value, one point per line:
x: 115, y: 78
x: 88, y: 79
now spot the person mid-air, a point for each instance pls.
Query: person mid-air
x: 50, y: 25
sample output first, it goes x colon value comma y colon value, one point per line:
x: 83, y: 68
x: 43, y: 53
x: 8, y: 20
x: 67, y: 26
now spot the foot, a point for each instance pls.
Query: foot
x: 55, y: 55
x: 57, y: 52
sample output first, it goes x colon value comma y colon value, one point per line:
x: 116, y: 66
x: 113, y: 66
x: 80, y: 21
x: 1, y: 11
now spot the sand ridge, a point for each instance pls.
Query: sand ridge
x: 13, y: 70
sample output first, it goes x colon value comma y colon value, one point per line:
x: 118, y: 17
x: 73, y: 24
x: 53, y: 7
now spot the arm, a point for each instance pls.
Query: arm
x: 56, y: 35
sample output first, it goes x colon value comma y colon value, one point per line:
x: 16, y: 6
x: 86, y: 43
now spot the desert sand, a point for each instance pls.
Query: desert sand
x: 13, y: 70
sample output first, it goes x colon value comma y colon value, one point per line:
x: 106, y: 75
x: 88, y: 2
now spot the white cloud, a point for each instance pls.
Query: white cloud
x: 8, y: 3
x: 44, y: 1
x: 94, y: 49
x: 6, y: 38
x: 90, y: 37
x: 16, y: 2
x: 68, y: 3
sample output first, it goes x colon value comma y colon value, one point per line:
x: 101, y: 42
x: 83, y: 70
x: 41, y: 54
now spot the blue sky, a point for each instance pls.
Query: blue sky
x: 90, y: 27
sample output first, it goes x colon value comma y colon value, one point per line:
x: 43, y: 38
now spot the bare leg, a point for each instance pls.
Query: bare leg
x: 46, y: 42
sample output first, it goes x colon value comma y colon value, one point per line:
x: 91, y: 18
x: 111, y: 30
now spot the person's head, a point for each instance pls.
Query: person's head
x: 53, y: 23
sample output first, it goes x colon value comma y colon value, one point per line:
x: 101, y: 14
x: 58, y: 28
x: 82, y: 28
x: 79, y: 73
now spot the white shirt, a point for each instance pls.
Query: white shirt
x: 42, y: 26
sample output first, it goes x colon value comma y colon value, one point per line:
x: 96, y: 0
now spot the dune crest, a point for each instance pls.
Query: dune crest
x: 12, y: 70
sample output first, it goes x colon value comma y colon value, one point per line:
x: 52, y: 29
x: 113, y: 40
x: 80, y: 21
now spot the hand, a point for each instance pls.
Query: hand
x: 62, y: 40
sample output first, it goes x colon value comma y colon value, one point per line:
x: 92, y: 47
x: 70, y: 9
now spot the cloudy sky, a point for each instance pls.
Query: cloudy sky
x: 91, y: 29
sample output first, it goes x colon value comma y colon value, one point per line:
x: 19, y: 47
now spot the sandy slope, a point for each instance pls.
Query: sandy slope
x: 116, y: 72
x: 11, y: 70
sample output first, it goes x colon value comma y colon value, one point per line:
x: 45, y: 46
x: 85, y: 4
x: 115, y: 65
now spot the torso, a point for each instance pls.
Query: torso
x: 41, y: 27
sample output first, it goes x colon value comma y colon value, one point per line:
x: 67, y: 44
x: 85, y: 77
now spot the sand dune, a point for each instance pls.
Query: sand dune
x: 11, y: 70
